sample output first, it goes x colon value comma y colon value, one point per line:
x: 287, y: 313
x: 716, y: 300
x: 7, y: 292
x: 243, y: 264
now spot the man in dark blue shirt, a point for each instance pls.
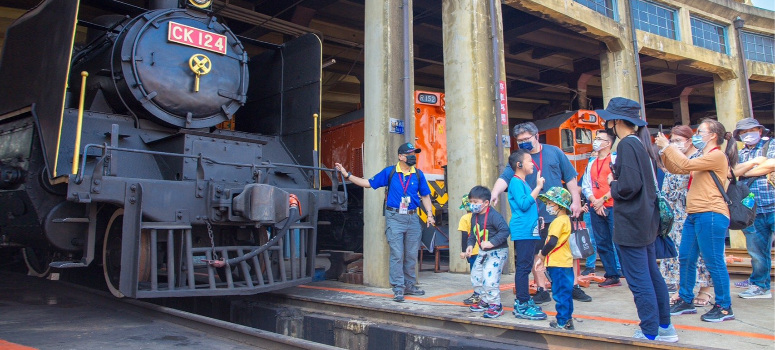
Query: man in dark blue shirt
x: 407, y: 188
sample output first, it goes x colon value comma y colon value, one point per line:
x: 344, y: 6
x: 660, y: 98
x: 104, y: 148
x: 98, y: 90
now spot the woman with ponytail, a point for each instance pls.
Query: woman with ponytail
x: 636, y: 217
x: 707, y: 217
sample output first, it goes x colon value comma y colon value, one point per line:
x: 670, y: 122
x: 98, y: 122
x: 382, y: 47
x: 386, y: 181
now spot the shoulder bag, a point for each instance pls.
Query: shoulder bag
x: 740, y: 216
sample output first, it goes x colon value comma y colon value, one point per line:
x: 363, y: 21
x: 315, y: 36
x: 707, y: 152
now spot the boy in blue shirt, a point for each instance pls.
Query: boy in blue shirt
x: 524, y: 227
x: 490, y: 230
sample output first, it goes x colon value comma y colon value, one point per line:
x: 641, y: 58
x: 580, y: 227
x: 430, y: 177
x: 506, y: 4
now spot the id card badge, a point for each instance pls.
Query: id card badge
x: 404, y: 208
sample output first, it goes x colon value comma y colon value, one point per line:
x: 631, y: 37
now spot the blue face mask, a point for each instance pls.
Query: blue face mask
x: 698, y: 142
x: 475, y: 207
x: 527, y: 146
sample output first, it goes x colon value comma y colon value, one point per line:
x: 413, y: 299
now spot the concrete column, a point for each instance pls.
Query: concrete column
x: 581, y: 86
x: 681, y: 111
x: 471, y: 110
x: 383, y: 99
x: 617, y: 64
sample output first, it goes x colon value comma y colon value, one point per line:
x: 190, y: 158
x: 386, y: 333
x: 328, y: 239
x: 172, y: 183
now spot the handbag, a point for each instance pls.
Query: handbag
x: 664, y: 247
x: 580, y: 243
x: 740, y: 215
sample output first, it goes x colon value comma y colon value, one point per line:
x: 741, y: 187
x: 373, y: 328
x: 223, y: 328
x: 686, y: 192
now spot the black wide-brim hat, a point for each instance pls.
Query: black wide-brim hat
x: 620, y: 108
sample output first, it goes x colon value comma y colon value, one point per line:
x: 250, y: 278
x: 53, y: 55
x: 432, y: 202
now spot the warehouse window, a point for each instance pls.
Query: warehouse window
x: 604, y: 7
x: 709, y: 35
x: 653, y: 18
x: 759, y: 47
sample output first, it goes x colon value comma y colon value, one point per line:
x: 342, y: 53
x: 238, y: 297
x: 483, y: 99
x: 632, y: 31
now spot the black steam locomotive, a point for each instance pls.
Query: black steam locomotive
x: 109, y: 151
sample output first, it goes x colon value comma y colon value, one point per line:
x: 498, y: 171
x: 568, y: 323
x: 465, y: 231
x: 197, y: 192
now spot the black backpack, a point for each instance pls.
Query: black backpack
x: 740, y: 216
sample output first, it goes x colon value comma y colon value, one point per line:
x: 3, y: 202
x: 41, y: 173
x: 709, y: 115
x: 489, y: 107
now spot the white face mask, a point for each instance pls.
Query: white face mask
x: 597, y: 145
x: 751, y: 138
x: 553, y: 210
x: 681, y: 146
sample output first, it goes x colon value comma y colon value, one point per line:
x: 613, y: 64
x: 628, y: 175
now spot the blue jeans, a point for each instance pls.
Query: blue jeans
x: 758, y: 239
x: 590, y: 263
x: 604, y: 239
x: 562, y: 292
x: 471, y: 261
x: 639, y: 265
x: 523, y: 261
x: 403, y: 236
x: 704, y: 233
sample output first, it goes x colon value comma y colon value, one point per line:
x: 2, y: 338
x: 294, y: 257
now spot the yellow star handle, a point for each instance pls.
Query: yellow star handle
x: 200, y: 65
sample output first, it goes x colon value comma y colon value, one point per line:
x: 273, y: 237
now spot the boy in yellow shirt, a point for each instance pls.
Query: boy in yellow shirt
x: 464, y: 226
x: 559, y: 260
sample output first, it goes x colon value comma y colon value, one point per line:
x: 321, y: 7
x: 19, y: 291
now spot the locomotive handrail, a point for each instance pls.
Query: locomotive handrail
x: 265, y: 165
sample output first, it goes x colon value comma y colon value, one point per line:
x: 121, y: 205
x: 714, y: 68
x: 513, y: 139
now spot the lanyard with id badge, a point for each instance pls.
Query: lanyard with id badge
x: 405, y: 200
x: 540, y: 222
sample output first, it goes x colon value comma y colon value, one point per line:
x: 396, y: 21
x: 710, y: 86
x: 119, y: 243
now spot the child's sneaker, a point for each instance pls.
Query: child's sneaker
x: 668, y: 334
x: 473, y: 299
x: 493, y: 311
x: 681, y: 307
x: 755, y: 292
x: 481, y: 306
x: 542, y: 296
x: 568, y: 326
x: 718, y: 314
x: 580, y: 295
x: 528, y: 311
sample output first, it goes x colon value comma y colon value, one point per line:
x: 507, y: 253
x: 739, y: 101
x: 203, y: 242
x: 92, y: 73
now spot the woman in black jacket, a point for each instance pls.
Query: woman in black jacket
x: 636, y: 218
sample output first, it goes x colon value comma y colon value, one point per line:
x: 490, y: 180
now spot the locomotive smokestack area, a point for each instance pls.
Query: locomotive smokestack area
x: 163, y: 4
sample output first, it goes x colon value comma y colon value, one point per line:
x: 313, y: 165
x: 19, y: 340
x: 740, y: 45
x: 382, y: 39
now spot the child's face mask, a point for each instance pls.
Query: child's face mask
x: 552, y: 209
x: 478, y: 205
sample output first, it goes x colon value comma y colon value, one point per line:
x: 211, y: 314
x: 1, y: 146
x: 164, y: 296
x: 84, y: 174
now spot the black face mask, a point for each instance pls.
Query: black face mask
x: 411, y: 160
x: 611, y: 130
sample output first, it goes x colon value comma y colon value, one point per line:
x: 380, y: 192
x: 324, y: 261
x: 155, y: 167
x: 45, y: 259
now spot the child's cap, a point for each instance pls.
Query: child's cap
x: 558, y: 195
x: 464, y: 205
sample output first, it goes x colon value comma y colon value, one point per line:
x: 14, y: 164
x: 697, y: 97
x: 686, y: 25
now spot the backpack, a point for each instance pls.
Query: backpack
x: 740, y: 216
x: 390, y: 179
x: 580, y: 243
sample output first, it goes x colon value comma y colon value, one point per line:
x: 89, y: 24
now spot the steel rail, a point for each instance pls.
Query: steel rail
x: 211, y: 326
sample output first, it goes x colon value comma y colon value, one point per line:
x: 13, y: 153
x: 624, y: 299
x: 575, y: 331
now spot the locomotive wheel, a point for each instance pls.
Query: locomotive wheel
x: 37, y: 261
x: 111, y: 254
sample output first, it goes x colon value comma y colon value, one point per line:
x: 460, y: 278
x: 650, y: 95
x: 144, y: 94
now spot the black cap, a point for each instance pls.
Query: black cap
x: 622, y: 109
x: 408, y: 148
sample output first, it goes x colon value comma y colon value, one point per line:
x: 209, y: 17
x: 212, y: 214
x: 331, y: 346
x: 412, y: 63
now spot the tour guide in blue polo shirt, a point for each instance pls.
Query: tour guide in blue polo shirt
x: 405, y: 189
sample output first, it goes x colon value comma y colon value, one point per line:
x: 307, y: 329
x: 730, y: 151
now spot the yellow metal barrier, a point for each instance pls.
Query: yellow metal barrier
x: 77, y: 150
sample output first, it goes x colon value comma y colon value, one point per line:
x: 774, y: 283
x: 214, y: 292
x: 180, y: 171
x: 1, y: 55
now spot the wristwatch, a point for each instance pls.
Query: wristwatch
x: 605, y: 198
x: 348, y: 175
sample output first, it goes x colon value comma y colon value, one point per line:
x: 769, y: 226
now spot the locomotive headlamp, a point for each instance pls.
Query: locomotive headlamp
x: 201, y: 3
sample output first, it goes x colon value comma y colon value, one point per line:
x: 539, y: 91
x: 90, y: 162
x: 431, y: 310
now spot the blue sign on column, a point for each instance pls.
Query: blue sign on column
x: 396, y: 126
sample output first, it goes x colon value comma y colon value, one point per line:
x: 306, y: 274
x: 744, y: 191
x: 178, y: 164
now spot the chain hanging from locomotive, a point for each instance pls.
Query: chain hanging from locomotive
x: 127, y: 169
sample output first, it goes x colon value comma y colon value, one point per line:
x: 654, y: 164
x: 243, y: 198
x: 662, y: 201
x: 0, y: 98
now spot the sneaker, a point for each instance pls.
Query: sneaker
x: 610, y: 282
x: 568, y: 326
x: 413, y: 290
x: 578, y: 294
x: 672, y: 288
x: 639, y: 335
x: 481, y: 306
x: 668, y: 334
x: 755, y: 292
x: 682, y: 307
x: 587, y: 271
x: 542, y: 296
x: 398, y: 296
x: 528, y: 311
x: 718, y: 314
x: 493, y: 311
x: 743, y: 284
x: 472, y: 300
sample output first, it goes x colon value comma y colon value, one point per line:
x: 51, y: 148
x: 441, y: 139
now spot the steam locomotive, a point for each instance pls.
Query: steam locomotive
x: 109, y: 151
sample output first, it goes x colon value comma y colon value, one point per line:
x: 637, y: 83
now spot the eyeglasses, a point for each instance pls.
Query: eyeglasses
x: 524, y: 139
x: 677, y: 141
x: 700, y: 132
x: 600, y: 139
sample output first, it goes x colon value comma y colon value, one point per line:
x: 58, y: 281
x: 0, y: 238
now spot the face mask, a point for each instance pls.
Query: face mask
x: 751, y: 138
x: 681, y: 146
x: 411, y: 160
x: 597, y: 145
x: 553, y: 210
x: 611, y: 130
x: 475, y: 207
x: 527, y: 146
x: 698, y: 142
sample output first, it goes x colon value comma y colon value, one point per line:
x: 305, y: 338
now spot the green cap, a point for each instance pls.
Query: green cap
x: 465, y: 204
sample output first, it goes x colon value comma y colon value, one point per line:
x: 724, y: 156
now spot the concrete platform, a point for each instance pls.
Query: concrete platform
x: 611, y: 313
